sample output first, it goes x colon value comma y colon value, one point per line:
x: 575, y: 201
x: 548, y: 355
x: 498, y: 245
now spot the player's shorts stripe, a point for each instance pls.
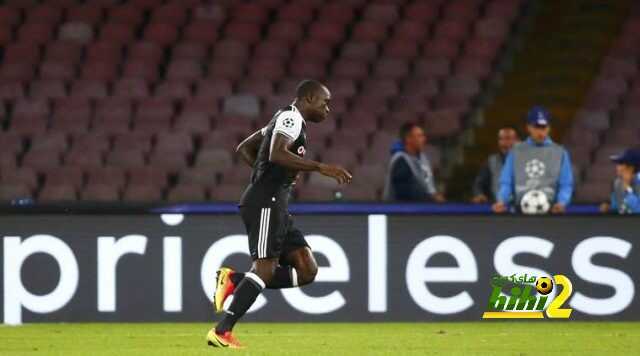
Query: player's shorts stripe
x: 266, y: 233
x: 261, y: 232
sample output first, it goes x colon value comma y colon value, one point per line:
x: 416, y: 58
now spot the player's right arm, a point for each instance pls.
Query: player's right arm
x: 280, y: 154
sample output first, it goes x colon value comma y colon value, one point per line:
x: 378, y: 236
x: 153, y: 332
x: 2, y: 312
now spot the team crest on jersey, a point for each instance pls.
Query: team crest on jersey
x: 301, y: 151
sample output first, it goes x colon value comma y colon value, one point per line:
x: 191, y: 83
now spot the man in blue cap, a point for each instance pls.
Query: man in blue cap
x: 536, y: 164
x: 625, y: 197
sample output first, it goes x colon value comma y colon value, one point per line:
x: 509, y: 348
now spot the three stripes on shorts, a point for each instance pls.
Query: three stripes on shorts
x: 263, y: 235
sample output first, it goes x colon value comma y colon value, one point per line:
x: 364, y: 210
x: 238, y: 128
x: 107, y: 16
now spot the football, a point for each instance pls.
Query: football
x: 544, y: 285
x: 534, y: 202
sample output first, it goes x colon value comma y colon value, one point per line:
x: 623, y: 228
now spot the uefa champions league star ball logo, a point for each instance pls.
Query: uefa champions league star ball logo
x: 534, y: 169
x: 288, y: 123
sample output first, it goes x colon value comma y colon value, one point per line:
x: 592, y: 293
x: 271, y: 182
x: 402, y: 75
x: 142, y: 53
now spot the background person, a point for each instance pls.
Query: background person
x: 625, y: 195
x: 487, y: 182
x: 410, y: 176
x: 536, y: 164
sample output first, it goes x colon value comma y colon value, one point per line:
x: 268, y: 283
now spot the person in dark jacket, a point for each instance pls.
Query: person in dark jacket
x: 410, y: 176
x: 487, y: 183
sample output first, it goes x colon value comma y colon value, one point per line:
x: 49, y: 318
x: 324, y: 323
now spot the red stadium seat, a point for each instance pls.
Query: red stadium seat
x: 151, y: 176
x: 116, y: 32
x: 173, y: 90
x: 286, y: 31
x: 126, y: 158
x: 142, y: 193
x: 187, y: 193
x: 93, y: 89
x: 221, y: 159
x: 146, y: 51
x: 370, y: 31
x: 198, y: 175
x: 185, y: 70
x: 172, y: 13
x: 127, y: 14
x: 50, y: 89
x: 24, y: 175
x: 140, y: 69
x: 424, y: 11
x: 81, y: 157
x: 58, y: 192
x: 64, y: 51
x: 14, y: 191
x: 41, y: 159
x: 201, y: 31
x: 360, y: 51
x: 11, y: 90
x: 89, y: 13
x: 100, y: 70
x: 161, y: 33
x: 100, y: 192
x: 189, y: 50
x: 193, y: 123
x: 21, y: 72
x: 131, y: 88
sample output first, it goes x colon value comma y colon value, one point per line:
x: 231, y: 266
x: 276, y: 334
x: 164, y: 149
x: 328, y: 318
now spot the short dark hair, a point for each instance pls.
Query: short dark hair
x: 510, y: 127
x: 406, y: 128
x: 308, y: 87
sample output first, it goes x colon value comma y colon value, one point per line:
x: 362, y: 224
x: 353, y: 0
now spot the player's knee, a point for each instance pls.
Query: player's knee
x: 265, y: 270
x: 307, y: 274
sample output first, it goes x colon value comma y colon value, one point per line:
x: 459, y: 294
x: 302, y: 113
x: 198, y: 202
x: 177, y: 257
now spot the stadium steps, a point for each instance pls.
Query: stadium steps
x: 560, y: 57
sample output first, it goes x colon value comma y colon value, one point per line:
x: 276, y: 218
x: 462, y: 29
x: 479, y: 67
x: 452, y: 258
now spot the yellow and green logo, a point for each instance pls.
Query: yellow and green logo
x: 528, y: 297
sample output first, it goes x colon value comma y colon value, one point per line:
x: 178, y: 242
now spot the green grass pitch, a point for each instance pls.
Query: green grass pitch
x: 477, y: 338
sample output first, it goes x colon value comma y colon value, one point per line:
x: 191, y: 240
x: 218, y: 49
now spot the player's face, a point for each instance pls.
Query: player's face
x: 506, y: 139
x: 538, y: 133
x: 319, y: 105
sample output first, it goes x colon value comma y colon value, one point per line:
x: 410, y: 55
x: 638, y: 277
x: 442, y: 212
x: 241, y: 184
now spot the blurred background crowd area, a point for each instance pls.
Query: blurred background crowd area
x: 145, y: 100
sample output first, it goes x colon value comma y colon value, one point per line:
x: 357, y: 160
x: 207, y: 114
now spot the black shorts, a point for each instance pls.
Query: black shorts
x: 271, y: 232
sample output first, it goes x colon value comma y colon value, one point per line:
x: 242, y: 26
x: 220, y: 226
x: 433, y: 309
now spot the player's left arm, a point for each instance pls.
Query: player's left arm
x: 248, y: 149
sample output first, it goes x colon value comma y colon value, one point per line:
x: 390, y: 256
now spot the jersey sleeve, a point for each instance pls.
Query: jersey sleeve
x: 289, y: 124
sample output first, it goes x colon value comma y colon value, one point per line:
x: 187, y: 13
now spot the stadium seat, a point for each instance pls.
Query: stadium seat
x: 58, y: 192
x: 100, y: 192
x: 187, y: 193
x: 150, y: 175
x: 142, y: 193
x: 22, y: 176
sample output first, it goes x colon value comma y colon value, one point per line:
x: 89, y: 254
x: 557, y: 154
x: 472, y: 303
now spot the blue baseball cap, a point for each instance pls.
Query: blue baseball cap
x: 629, y: 156
x: 538, y: 116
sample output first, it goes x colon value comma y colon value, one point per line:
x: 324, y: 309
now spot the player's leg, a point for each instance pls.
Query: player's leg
x: 264, y: 227
x: 297, y: 260
x: 304, y: 265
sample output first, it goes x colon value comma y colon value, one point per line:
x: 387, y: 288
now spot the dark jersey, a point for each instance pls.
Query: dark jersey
x: 271, y: 183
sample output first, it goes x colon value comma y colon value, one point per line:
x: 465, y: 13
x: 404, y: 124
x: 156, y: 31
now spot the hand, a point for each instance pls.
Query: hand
x: 341, y: 175
x: 439, y: 198
x: 604, y: 208
x: 558, y: 208
x: 480, y: 199
x: 499, y: 207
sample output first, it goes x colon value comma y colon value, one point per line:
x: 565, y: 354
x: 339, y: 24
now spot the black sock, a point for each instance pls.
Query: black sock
x: 236, y: 278
x: 246, y: 293
x: 284, y: 277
